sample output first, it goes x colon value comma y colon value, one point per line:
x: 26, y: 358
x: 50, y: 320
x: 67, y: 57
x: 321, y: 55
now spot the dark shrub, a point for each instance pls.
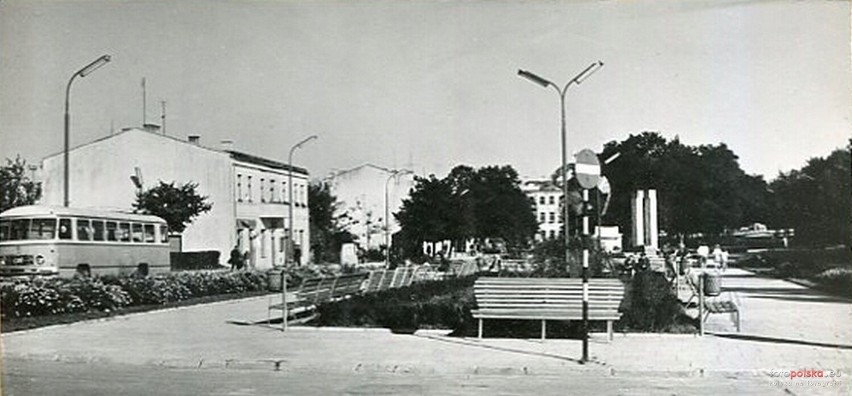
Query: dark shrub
x: 187, y: 261
x: 651, y: 305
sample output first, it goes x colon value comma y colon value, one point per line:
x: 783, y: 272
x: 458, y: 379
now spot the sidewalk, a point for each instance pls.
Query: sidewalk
x: 785, y: 327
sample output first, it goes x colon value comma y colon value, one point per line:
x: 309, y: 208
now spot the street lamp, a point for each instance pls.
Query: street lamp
x: 546, y: 83
x: 290, y: 183
x: 394, y: 173
x: 82, y: 73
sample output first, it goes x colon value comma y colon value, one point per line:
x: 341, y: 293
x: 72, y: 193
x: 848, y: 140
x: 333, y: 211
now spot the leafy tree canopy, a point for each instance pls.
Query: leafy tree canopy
x: 326, y: 234
x: 16, y: 189
x: 177, y: 205
x: 468, y: 203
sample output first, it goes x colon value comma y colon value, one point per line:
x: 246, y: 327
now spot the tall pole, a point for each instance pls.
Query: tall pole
x: 393, y: 174
x: 65, y: 154
x: 290, y: 188
x: 588, y: 71
x: 585, y: 278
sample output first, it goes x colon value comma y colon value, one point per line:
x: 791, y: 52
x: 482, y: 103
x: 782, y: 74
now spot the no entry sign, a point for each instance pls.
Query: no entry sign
x: 587, y: 168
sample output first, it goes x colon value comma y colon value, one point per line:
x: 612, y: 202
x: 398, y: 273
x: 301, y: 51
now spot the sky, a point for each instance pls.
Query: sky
x: 428, y: 85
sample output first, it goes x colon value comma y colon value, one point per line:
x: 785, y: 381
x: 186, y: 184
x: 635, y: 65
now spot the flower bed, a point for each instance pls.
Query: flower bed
x: 21, y: 298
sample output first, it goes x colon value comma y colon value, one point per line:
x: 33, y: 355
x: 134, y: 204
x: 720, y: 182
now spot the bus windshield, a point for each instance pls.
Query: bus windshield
x: 27, y: 229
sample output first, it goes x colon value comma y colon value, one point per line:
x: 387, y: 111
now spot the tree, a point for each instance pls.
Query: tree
x: 16, y: 189
x: 326, y: 234
x: 816, y: 200
x: 700, y: 188
x: 467, y: 204
x: 177, y: 205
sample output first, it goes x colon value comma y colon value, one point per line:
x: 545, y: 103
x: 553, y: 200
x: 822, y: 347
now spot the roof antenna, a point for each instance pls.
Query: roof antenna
x: 163, y: 115
x: 144, y: 102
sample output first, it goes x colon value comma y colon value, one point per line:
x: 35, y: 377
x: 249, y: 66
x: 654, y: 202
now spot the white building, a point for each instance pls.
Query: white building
x: 361, y: 194
x: 249, y: 194
x: 545, y: 197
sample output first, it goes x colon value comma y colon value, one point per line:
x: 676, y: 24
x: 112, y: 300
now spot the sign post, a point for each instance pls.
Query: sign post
x: 588, y: 171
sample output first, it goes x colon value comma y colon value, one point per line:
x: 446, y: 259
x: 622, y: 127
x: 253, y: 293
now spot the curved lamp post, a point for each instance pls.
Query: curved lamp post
x: 395, y: 173
x: 290, y: 183
x: 561, y: 91
x: 82, y: 73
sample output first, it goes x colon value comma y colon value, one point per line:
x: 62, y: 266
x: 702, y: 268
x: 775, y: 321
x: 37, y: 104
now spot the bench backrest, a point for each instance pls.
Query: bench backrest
x: 321, y: 289
x: 547, y: 294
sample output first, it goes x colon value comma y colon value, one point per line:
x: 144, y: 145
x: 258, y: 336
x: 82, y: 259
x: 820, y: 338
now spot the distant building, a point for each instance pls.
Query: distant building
x: 249, y: 193
x: 361, y: 194
x: 545, y: 198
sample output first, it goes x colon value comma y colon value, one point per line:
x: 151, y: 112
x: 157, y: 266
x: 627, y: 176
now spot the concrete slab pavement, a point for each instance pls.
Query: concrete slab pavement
x: 782, y: 331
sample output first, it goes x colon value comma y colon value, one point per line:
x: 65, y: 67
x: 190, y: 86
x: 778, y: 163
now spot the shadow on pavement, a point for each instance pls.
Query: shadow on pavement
x: 786, y: 293
x: 774, y: 340
x: 497, y: 348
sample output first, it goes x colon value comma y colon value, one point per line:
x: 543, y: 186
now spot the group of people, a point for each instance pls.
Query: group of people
x: 238, y: 260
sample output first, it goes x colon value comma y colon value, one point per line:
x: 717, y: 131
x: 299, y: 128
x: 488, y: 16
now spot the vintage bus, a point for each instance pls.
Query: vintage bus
x: 47, y: 240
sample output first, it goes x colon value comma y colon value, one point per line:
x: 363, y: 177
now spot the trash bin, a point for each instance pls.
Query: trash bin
x: 712, y: 284
x: 273, y: 278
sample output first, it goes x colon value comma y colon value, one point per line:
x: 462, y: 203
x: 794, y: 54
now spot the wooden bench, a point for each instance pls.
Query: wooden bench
x: 546, y: 299
x: 314, y: 291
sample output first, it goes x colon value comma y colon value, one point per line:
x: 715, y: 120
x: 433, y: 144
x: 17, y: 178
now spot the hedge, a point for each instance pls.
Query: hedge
x: 50, y: 296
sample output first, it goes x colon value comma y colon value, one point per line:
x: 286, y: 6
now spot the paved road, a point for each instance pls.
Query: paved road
x: 55, y: 378
x: 198, y: 350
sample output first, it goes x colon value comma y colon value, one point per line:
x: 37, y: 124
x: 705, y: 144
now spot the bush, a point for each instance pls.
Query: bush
x: 651, y: 304
x: 50, y: 296
x: 190, y: 261
x: 836, y: 279
x: 438, y: 304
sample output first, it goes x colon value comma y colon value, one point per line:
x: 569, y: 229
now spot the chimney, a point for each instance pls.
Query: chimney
x: 151, y: 127
x: 226, y: 145
x: 194, y: 139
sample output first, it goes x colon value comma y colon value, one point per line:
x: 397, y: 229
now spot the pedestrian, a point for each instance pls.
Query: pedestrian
x: 235, y: 258
x: 724, y: 260
x: 717, y: 255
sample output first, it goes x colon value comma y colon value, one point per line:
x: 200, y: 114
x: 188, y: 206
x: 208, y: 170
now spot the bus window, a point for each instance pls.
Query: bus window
x: 111, y: 228
x: 137, y: 232
x: 149, y: 233
x: 98, y: 230
x: 84, y: 232
x: 4, y: 230
x: 164, y: 234
x: 19, y: 229
x: 42, y: 229
x: 64, y: 228
x: 124, y: 232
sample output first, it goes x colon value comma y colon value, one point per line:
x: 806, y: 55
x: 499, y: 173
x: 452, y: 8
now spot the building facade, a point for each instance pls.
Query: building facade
x: 249, y: 193
x: 545, y: 197
x: 360, y: 192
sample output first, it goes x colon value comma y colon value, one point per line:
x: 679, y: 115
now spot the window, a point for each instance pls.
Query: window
x: 19, y: 229
x: 271, y: 190
x: 551, y: 200
x: 552, y: 234
x: 42, y: 229
x: 263, y: 243
x: 64, y: 228
x: 124, y: 232
x: 542, y: 217
x: 552, y: 217
x: 84, y: 230
x: 111, y: 234
x: 284, y: 191
x: 262, y: 190
x: 136, y: 232
x: 541, y: 200
x: 4, y: 230
x: 281, y: 244
x: 239, y: 188
x: 248, y: 194
x: 149, y: 233
x: 98, y: 230
x: 164, y: 234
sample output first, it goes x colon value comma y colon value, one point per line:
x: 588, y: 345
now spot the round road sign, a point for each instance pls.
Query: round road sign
x: 587, y: 169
